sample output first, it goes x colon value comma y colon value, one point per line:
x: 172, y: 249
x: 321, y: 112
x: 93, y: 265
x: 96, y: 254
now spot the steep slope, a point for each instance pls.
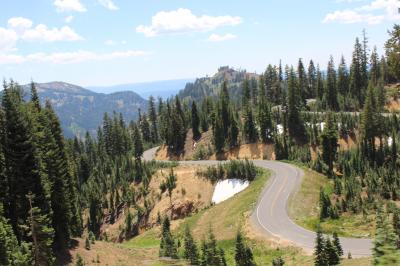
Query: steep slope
x: 82, y: 110
x: 210, y: 86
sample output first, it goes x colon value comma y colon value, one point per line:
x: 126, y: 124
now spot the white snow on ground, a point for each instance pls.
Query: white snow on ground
x: 227, y: 188
x: 280, y: 129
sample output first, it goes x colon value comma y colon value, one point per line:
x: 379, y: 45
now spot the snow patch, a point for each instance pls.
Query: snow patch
x: 227, y: 188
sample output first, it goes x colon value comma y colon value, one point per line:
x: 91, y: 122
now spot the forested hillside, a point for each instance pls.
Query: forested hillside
x: 82, y: 110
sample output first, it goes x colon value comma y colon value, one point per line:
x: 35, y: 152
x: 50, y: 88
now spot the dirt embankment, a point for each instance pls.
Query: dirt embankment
x: 191, y: 194
x: 203, y: 149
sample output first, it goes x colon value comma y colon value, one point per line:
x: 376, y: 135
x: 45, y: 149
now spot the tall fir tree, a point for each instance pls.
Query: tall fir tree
x: 153, y: 120
x: 195, y: 122
x: 21, y: 162
x: 331, y: 92
x: 329, y: 141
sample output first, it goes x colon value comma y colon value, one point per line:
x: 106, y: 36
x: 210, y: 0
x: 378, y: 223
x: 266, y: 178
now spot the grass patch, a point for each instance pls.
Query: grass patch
x: 304, y: 209
x: 228, y: 216
x: 149, y: 239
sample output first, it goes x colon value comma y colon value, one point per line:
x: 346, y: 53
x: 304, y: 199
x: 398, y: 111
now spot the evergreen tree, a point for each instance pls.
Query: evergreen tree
x: 218, y: 134
x: 249, y: 127
x: 264, y: 115
x: 331, y: 92
x: 374, y: 71
x: 320, y: 256
x: 392, y: 48
x: 385, y: 249
x: 329, y: 140
x: 233, y: 132
x: 356, y: 76
x: 336, y: 243
x: 153, y: 120
x: 167, y: 244
x: 195, y: 122
x: 243, y: 254
x: 190, y: 248
x: 41, y: 232
x: 145, y: 128
x: 63, y: 196
x: 332, y: 255
x: 246, y: 94
x: 343, y: 78
x: 295, y: 123
x: 11, y: 253
x: 21, y: 163
x: 312, y: 80
x: 370, y: 122
x: 302, y: 82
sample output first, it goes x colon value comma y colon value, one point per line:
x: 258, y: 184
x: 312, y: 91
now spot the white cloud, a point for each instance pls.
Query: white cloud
x: 69, y: 19
x: 373, y: 13
x: 221, y: 38
x: 390, y: 7
x: 69, y: 57
x: 351, y: 16
x: 69, y: 5
x: 184, y: 21
x: 8, y: 39
x: 109, y: 4
x: 110, y: 43
x: 19, y: 23
x: 42, y: 33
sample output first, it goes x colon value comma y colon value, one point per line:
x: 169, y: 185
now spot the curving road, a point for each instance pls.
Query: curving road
x: 271, y: 215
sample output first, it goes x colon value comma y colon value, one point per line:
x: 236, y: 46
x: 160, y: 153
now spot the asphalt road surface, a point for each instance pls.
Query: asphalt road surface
x: 271, y: 215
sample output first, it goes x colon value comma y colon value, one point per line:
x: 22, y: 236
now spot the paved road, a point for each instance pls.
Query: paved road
x: 270, y: 214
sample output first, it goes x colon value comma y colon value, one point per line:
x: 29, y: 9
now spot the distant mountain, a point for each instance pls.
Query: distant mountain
x: 211, y: 86
x: 163, y: 89
x: 82, y: 110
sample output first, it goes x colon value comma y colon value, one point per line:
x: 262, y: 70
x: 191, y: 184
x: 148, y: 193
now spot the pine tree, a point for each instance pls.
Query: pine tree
x: 233, y: 132
x: 370, y: 122
x: 385, y: 249
x: 332, y: 255
x: 190, y: 248
x: 41, y: 232
x: 246, y: 93
x: 312, y: 80
x: 243, y: 254
x: 336, y: 243
x: 145, y: 128
x: 264, y: 115
x: 218, y: 134
x: 331, y: 92
x: 295, y: 123
x: 195, y: 122
x: 375, y: 68
x: 167, y: 244
x: 356, y: 76
x: 320, y: 257
x: 343, y: 78
x: 302, y: 82
x: 137, y: 143
x: 320, y: 84
x: 153, y: 120
x: 63, y: 195
x: 22, y: 166
x: 11, y: 253
x: 249, y: 127
x: 329, y: 141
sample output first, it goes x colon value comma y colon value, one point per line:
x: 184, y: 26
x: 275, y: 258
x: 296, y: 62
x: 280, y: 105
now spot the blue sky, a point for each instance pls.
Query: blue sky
x: 107, y: 42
